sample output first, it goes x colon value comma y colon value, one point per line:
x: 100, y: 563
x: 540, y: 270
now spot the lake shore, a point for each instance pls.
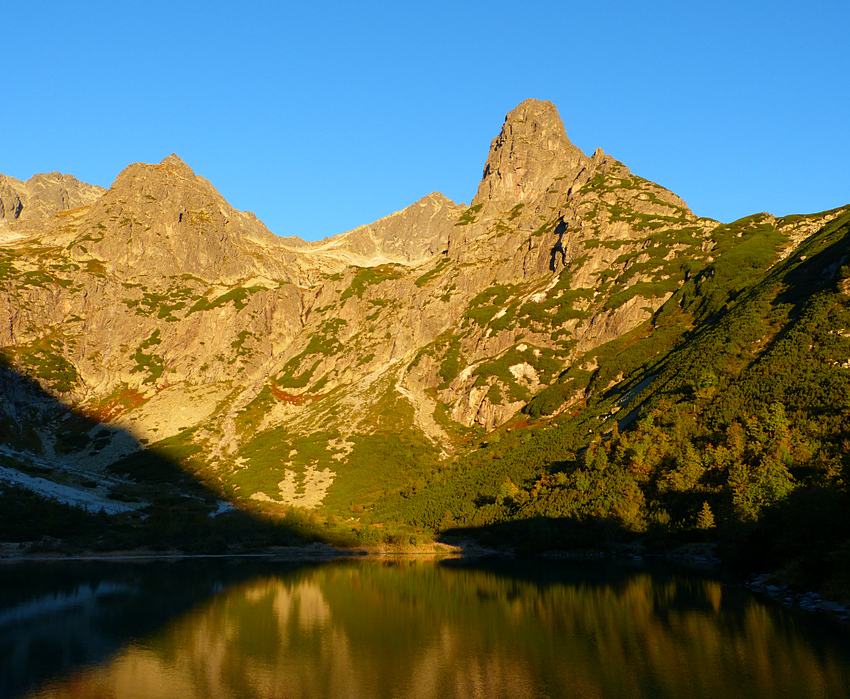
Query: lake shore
x: 765, y: 584
x: 12, y: 553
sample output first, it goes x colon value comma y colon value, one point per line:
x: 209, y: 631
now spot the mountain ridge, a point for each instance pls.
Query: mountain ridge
x: 333, y: 376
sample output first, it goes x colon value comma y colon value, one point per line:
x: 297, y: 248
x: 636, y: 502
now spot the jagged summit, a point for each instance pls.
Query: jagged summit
x: 408, y: 237
x: 160, y: 220
x: 531, y: 150
x: 173, y: 159
x: 43, y: 195
x: 174, y: 163
x: 344, y: 374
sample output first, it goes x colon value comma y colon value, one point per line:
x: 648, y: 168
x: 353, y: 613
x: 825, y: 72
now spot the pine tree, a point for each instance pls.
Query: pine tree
x: 705, y: 518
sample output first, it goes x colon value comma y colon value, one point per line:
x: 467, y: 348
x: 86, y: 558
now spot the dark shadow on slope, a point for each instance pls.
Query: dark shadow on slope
x: 815, y: 272
x: 806, y: 536
x: 542, y: 534
x: 57, y: 616
x: 745, y: 314
x: 163, y: 506
x: 558, y: 248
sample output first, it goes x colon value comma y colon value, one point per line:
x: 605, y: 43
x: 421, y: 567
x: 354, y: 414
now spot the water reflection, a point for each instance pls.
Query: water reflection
x: 420, y: 629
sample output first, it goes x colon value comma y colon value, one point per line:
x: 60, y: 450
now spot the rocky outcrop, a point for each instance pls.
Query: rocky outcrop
x: 43, y: 195
x: 409, y: 237
x: 530, y: 152
x: 11, y: 205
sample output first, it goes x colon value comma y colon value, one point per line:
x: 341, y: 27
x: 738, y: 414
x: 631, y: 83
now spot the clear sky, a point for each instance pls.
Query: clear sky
x: 322, y: 116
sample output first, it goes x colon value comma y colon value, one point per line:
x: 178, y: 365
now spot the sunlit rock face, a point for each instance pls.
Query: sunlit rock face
x: 531, y: 150
x: 159, y: 310
x: 43, y: 195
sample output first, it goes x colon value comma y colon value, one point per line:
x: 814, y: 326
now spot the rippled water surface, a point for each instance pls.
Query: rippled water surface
x: 404, y: 629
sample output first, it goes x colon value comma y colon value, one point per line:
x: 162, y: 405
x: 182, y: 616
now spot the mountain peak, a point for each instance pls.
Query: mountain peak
x: 43, y: 195
x: 176, y: 161
x: 529, y: 152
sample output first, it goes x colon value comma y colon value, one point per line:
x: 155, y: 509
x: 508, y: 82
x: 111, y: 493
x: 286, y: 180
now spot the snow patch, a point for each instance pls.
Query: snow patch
x: 222, y: 508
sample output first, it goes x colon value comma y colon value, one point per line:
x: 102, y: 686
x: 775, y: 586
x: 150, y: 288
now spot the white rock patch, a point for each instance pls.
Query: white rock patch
x: 464, y: 375
x: 524, y: 371
x: 541, y: 295
x: 308, y: 494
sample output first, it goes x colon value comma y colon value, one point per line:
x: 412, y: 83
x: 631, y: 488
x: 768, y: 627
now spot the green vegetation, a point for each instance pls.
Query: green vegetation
x: 734, y: 426
x: 238, y: 296
x: 542, y: 361
x: 239, y: 343
x: 298, y: 371
x: 451, y: 364
x: 162, y: 305
x: 561, y: 304
x: 47, y: 264
x: 44, y: 361
x: 723, y: 418
x: 289, y: 378
x: 365, y: 276
x: 151, y: 363
x: 439, y: 268
x: 468, y: 216
x: 484, y: 307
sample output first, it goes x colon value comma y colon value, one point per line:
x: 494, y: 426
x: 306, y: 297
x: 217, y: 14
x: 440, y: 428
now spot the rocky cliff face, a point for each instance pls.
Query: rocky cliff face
x: 43, y: 195
x: 156, y: 307
x: 527, y: 157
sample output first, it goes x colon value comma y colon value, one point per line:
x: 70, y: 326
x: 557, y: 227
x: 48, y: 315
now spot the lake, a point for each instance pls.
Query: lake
x: 404, y: 628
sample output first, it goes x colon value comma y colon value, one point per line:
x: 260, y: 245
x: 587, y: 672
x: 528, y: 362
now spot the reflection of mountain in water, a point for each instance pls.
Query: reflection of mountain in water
x: 57, y: 617
x: 418, y: 629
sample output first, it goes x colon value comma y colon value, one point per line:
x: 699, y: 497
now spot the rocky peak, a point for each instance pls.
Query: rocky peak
x: 176, y: 161
x: 11, y: 205
x: 407, y: 237
x: 43, y: 195
x: 155, y: 180
x: 162, y: 220
x: 531, y: 150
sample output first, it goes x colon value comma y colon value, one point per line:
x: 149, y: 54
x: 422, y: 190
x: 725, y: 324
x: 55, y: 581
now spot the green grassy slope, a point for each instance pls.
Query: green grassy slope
x: 728, y: 419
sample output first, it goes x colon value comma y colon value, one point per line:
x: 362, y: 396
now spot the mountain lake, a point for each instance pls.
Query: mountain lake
x: 405, y: 627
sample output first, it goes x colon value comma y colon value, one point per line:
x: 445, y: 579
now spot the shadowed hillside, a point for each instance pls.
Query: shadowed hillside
x: 54, y: 498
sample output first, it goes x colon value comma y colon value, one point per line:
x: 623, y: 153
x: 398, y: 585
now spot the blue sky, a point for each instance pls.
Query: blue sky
x: 321, y: 116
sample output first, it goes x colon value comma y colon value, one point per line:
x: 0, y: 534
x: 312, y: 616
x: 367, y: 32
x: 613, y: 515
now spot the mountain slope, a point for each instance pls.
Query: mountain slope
x: 349, y: 376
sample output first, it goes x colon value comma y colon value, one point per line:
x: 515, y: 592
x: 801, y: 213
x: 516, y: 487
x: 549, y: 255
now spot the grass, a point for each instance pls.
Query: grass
x: 484, y: 307
x: 238, y: 297
x: 366, y: 276
x: 451, y: 364
x: 152, y: 364
x: 432, y: 274
x: 44, y: 361
x: 468, y: 216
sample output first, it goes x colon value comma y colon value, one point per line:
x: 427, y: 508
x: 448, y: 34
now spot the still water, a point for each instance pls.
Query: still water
x: 404, y: 628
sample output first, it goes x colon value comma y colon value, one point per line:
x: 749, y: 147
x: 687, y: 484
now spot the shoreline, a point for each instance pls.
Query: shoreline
x: 309, y: 552
x: 808, y: 601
